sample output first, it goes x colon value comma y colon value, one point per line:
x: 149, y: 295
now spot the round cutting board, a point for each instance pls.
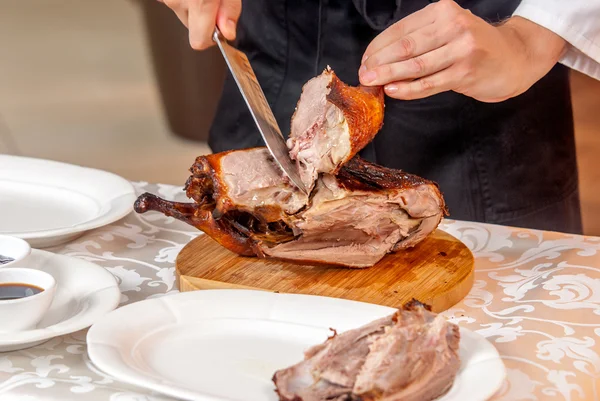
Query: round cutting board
x: 438, y: 271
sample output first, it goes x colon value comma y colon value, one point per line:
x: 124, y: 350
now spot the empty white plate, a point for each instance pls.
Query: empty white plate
x: 84, y: 293
x: 48, y: 203
x: 226, y: 344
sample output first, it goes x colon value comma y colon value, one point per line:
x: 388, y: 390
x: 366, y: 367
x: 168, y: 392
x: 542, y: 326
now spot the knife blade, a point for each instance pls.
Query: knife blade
x: 253, y: 95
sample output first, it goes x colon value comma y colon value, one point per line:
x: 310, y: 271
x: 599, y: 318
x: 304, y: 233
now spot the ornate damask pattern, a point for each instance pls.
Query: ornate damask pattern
x: 536, y: 298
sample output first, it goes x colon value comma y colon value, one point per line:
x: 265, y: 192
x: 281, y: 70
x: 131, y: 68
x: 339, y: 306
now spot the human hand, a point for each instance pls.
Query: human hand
x: 201, y: 17
x: 444, y: 47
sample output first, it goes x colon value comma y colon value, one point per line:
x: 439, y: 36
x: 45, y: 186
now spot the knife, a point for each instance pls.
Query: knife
x: 259, y: 107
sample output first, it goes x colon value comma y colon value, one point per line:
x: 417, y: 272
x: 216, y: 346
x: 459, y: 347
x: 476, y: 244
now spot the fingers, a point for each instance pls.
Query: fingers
x: 416, y: 67
x: 228, y: 16
x: 182, y: 15
x: 414, y: 44
x: 202, y: 16
x: 423, y: 54
x: 439, y: 82
x: 400, y: 29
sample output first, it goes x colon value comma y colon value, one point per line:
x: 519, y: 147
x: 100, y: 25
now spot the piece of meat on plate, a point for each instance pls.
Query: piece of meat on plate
x: 411, y: 355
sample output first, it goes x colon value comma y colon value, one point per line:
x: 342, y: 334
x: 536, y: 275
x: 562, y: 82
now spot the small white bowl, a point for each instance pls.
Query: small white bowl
x: 14, y: 248
x: 25, y: 313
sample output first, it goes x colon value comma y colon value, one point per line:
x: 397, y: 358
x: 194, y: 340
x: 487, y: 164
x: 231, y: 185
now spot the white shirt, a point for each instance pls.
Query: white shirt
x: 577, y: 22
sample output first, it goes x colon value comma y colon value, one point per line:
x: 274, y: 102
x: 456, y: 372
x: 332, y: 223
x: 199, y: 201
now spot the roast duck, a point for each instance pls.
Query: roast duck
x: 356, y: 211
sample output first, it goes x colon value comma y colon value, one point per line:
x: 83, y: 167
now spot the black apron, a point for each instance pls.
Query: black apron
x: 511, y: 163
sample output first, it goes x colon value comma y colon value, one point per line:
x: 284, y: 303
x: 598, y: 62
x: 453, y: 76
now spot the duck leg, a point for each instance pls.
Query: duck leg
x: 199, y: 216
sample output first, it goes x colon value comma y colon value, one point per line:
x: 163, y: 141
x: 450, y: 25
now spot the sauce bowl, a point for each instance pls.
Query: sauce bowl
x: 24, y: 313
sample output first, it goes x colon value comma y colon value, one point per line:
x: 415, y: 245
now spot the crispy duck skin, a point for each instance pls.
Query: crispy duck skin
x: 363, y: 107
x: 199, y: 217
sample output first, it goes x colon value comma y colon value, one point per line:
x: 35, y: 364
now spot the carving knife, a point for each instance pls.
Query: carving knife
x: 259, y: 107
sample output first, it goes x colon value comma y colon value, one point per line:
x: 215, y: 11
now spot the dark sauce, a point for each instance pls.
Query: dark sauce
x: 5, y: 259
x: 17, y: 290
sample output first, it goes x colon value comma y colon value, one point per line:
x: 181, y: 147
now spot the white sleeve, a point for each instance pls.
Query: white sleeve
x: 577, y: 22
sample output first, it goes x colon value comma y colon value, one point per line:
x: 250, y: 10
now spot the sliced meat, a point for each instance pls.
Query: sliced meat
x: 353, y: 219
x: 331, y: 124
x: 329, y: 369
x: 415, y: 360
x: 245, y: 181
x: 410, y: 355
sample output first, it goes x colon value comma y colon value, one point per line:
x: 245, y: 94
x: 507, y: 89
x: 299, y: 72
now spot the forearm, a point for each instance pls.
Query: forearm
x: 576, y: 21
x: 541, y: 47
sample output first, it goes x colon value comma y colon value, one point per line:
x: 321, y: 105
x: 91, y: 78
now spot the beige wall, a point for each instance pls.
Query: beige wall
x: 76, y: 85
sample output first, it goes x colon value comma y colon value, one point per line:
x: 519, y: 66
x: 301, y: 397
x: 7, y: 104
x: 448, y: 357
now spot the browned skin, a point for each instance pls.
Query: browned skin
x: 361, y: 175
x: 363, y: 108
x: 214, y: 213
x: 205, y: 181
x: 199, y: 216
x: 208, y: 168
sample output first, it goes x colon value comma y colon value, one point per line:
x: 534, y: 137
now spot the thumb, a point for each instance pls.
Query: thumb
x: 228, y: 16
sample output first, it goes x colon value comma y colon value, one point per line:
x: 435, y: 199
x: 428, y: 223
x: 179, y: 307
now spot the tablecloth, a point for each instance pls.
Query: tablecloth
x: 536, y: 297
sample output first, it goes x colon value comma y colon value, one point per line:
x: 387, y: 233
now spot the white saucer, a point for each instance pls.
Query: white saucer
x: 13, y: 248
x: 49, y: 203
x: 84, y: 293
x: 221, y: 345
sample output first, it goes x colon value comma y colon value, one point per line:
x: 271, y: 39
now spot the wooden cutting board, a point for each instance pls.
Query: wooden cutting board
x: 438, y: 271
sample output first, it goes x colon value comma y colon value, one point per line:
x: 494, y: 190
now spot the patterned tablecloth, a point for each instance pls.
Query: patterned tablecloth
x: 536, y: 297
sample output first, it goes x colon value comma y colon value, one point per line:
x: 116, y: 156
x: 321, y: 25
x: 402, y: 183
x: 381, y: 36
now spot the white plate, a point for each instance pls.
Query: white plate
x: 48, y: 203
x: 84, y: 293
x: 227, y: 344
x: 14, y: 248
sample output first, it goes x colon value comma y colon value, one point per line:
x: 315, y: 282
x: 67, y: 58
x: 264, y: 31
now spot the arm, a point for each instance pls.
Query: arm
x: 577, y: 22
x: 444, y: 47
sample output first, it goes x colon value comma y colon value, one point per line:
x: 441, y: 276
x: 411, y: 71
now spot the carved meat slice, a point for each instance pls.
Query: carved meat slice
x: 353, y: 219
x: 331, y: 124
x: 409, y: 356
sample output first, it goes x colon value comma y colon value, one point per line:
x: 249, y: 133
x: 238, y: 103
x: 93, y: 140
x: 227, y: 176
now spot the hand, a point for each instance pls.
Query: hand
x: 444, y: 47
x: 201, y: 17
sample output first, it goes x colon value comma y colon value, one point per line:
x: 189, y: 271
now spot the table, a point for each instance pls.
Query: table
x: 536, y: 297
